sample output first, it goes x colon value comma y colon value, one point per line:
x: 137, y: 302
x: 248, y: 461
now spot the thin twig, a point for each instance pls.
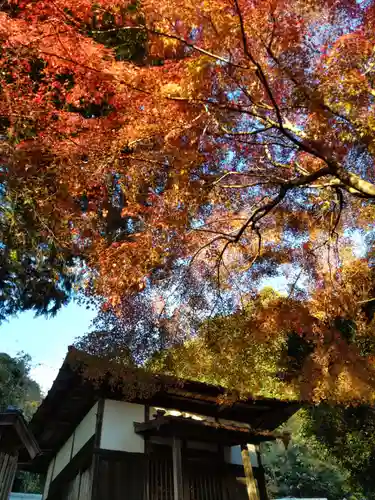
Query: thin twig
x: 213, y: 231
x: 246, y: 186
x: 218, y: 238
x: 295, y: 284
x: 366, y: 301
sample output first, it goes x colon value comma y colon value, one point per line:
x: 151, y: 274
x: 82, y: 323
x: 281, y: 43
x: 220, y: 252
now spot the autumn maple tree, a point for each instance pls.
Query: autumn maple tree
x: 155, y: 145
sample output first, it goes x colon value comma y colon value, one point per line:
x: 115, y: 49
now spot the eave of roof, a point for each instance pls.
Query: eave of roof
x: 208, y: 431
x: 72, y: 395
x: 15, y: 435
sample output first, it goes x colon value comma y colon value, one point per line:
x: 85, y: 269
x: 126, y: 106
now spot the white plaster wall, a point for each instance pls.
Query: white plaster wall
x: 63, y: 457
x: 118, y: 426
x: 233, y: 455
x: 48, y: 478
x: 85, y: 430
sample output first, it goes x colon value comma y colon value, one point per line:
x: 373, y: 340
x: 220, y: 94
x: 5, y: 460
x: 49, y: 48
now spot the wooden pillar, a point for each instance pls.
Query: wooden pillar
x: 178, y: 492
x: 261, y: 477
x: 251, y: 486
x: 95, y: 464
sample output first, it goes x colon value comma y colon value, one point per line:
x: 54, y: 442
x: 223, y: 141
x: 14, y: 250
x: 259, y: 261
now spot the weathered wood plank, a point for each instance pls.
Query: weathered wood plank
x: 178, y: 493
x: 120, y: 475
x: 8, y: 467
x: 251, y: 486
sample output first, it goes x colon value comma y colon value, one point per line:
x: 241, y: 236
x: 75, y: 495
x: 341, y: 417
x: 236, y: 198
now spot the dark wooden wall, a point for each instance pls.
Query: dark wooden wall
x: 119, y: 476
x: 133, y: 476
x: 96, y: 474
x: 79, y: 487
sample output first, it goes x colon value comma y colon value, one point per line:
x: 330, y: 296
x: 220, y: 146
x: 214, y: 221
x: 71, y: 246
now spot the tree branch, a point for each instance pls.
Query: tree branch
x: 366, y: 301
x: 254, y: 132
x: 195, y: 47
x: 264, y: 81
x: 307, y: 179
x: 341, y: 207
x: 245, y: 186
x: 178, y: 38
x: 353, y: 181
x: 261, y: 212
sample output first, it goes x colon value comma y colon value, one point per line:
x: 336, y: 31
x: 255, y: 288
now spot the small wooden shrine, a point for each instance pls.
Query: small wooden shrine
x: 15, y: 437
x: 176, y: 442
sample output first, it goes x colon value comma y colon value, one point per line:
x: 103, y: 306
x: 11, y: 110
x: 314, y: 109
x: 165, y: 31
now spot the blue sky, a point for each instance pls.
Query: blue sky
x: 46, y: 340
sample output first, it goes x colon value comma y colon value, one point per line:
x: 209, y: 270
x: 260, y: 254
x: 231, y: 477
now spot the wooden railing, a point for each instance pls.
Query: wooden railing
x: 201, y: 481
x: 160, y: 479
x: 144, y: 477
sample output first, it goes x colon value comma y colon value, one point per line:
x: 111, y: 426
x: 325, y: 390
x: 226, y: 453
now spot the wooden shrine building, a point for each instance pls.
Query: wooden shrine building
x: 15, y: 437
x: 175, y: 442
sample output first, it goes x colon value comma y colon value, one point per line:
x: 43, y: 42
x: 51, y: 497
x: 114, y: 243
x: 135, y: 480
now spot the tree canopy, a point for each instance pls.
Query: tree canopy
x: 17, y: 388
x: 178, y: 153
x: 308, y: 469
x: 315, y: 348
x: 348, y: 435
x: 331, y: 452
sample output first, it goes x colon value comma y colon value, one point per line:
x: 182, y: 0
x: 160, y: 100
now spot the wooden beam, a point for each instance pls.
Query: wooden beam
x: 195, y: 430
x: 147, y: 448
x: 95, y: 486
x: 178, y: 492
x: 15, y: 434
x: 251, y: 486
